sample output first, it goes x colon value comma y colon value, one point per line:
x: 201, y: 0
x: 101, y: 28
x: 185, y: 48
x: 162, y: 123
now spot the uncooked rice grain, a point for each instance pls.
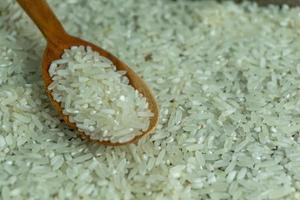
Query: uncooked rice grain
x: 226, y: 77
x: 97, y: 97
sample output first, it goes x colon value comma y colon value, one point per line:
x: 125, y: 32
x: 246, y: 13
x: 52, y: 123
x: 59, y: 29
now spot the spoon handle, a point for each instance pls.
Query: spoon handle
x: 42, y: 15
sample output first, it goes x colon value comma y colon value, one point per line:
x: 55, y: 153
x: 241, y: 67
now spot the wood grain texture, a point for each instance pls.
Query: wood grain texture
x: 58, y: 40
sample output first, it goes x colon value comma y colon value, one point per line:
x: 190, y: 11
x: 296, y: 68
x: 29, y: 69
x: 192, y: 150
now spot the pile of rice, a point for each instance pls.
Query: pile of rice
x: 96, y: 97
x: 227, y: 81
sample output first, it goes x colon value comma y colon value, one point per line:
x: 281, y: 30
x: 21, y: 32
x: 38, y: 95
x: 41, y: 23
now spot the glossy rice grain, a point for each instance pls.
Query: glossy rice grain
x: 97, y: 97
x: 227, y: 81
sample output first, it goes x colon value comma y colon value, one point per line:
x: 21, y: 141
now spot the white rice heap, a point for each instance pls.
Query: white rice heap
x: 97, y: 97
x: 227, y: 80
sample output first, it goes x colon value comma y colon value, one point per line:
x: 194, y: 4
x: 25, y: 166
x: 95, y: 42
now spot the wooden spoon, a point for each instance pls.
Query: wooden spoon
x: 58, y: 40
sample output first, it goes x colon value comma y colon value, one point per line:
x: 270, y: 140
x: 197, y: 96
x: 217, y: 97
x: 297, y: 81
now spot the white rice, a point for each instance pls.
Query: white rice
x: 219, y: 70
x: 96, y: 97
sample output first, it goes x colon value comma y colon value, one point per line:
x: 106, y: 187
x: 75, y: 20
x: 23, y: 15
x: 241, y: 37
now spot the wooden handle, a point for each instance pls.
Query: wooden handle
x: 42, y: 15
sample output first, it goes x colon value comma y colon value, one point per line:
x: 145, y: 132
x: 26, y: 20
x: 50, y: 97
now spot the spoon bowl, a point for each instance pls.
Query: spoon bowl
x: 58, y: 40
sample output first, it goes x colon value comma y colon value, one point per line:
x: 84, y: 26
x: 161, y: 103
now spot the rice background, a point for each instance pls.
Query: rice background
x: 226, y: 77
